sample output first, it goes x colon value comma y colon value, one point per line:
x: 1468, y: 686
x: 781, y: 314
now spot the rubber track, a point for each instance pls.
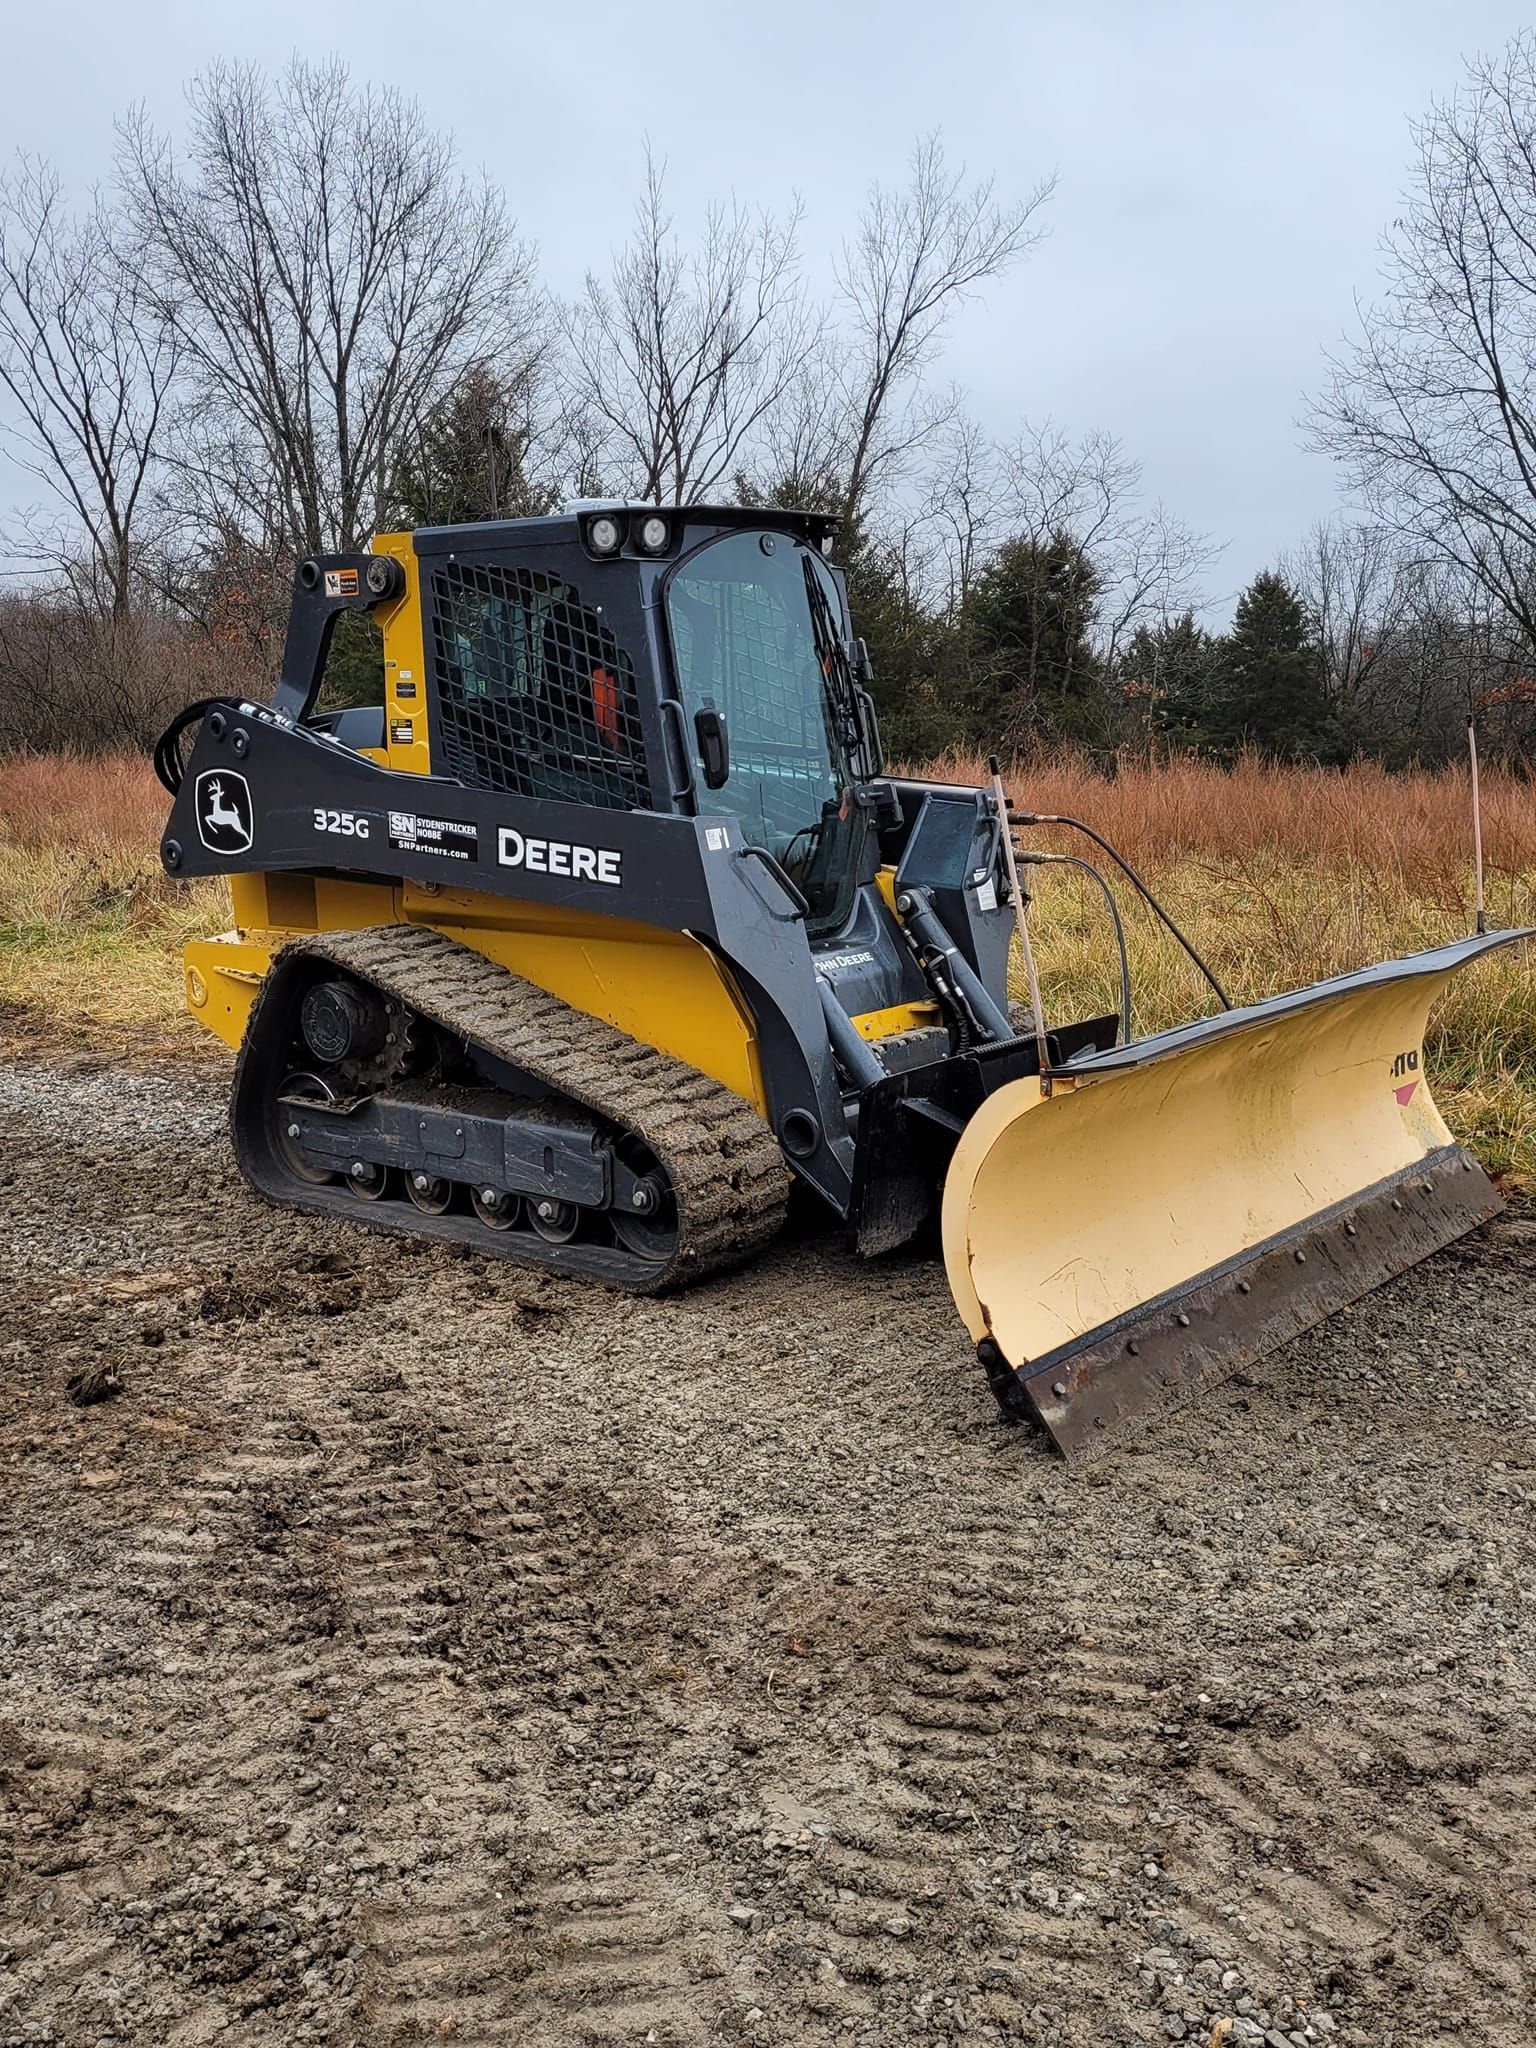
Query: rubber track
x: 722, y: 1160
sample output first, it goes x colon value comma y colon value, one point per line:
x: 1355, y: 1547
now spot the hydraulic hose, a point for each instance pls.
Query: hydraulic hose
x: 1077, y: 825
x: 1072, y: 860
x: 169, y: 765
x: 971, y: 997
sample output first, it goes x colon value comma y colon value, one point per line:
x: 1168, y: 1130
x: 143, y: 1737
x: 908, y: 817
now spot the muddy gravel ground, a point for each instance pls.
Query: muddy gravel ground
x: 395, y: 1647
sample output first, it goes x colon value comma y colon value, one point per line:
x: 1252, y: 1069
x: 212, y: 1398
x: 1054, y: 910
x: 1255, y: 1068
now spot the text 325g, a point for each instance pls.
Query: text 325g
x: 347, y: 823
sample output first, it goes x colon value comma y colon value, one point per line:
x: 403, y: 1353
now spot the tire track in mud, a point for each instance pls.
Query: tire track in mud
x: 1337, y: 1891
x: 346, y: 1614
x: 386, y: 1711
x: 441, y: 1821
x: 47, y: 1941
x: 187, y: 1792
x: 993, y: 1816
x: 1051, y: 1788
x: 468, y: 1585
x: 372, y: 1713
x: 606, y: 1941
x: 421, y: 1540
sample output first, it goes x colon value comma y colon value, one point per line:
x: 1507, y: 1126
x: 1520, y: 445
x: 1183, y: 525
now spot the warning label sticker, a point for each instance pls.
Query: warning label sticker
x: 341, y: 583
x: 449, y: 838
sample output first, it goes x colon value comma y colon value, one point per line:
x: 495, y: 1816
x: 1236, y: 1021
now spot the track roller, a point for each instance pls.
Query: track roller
x: 496, y: 1208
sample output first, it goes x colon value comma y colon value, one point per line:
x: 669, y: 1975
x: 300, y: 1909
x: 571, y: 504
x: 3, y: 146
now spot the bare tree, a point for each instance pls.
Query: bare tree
x: 88, y: 368
x: 1433, y: 409
x: 961, y: 508
x: 1356, y: 581
x: 1411, y: 644
x: 72, y: 676
x: 1455, y: 653
x: 918, y: 254
x: 330, y: 276
x: 683, y: 354
x: 1146, y: 564
x: 795, y: 461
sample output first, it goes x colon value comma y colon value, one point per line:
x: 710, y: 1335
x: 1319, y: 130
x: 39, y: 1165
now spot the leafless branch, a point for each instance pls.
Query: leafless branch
x: 1148, y: 564
x: 329, y: 274
x: 918, y: 254
x: 88, y: 368
x: 1432, y: 410
x: 682, y: 354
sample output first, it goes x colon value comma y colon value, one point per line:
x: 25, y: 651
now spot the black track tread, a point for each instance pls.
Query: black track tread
x: 724, y: 1164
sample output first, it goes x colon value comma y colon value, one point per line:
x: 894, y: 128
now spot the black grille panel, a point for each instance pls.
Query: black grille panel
x: 534, y: 694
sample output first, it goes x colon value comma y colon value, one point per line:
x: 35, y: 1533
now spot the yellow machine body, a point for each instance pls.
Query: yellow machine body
x: 659, y: 986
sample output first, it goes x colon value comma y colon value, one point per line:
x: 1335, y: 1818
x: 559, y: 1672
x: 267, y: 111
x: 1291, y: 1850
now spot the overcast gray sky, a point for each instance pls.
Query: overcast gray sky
x: 1225, y: 171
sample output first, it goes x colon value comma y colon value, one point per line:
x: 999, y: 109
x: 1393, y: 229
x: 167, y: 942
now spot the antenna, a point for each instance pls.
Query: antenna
x: 1477, y: 827
x: 490, y: 456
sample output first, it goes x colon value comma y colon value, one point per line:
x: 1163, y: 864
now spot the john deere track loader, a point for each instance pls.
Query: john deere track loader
x: 610, y: 924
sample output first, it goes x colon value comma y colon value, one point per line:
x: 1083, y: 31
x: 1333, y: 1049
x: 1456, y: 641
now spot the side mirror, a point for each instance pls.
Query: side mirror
x: 714, y: 744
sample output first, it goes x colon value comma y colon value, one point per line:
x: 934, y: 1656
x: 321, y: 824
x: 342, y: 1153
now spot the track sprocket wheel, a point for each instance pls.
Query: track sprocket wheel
x: 410, y: 1049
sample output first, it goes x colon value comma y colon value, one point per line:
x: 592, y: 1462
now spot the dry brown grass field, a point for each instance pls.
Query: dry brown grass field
x: 1280, y: 876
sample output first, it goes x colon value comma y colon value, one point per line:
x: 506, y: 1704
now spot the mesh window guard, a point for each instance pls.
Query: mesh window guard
x: 534, y: 694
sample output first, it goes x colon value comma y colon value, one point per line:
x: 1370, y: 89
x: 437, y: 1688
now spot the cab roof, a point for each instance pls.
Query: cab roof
x: 565, y: 528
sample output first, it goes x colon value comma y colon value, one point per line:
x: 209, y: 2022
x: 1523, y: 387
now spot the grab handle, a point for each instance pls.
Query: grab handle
x: 801, y: 907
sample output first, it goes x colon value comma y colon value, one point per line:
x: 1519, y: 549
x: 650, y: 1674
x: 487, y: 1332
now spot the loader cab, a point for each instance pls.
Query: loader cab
x: 634, y: 658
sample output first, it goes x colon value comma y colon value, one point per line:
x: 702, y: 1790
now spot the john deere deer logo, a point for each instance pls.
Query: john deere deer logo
x: 224, y: 810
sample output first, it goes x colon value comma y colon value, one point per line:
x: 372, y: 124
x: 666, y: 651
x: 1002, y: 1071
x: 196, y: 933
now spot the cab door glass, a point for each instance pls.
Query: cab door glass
x: 746, y: 642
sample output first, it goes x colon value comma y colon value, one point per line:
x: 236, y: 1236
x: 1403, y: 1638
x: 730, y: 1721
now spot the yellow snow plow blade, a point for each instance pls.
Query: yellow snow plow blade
x: 1178, y: 1206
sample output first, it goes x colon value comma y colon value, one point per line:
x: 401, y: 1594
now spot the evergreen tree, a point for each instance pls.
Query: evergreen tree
x: 914, y: 653
x: 354, y: 665
x: 1033, y: 672
x: 469, y: 459
x: 1167, y: 675
x: 1268, y: 688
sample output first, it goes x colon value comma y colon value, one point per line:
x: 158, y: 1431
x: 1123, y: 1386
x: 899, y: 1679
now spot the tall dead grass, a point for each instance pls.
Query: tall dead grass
x: 1416, y: 826
x: 1281, y: 876
x: 91, y: 926
x: 110, y: 803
